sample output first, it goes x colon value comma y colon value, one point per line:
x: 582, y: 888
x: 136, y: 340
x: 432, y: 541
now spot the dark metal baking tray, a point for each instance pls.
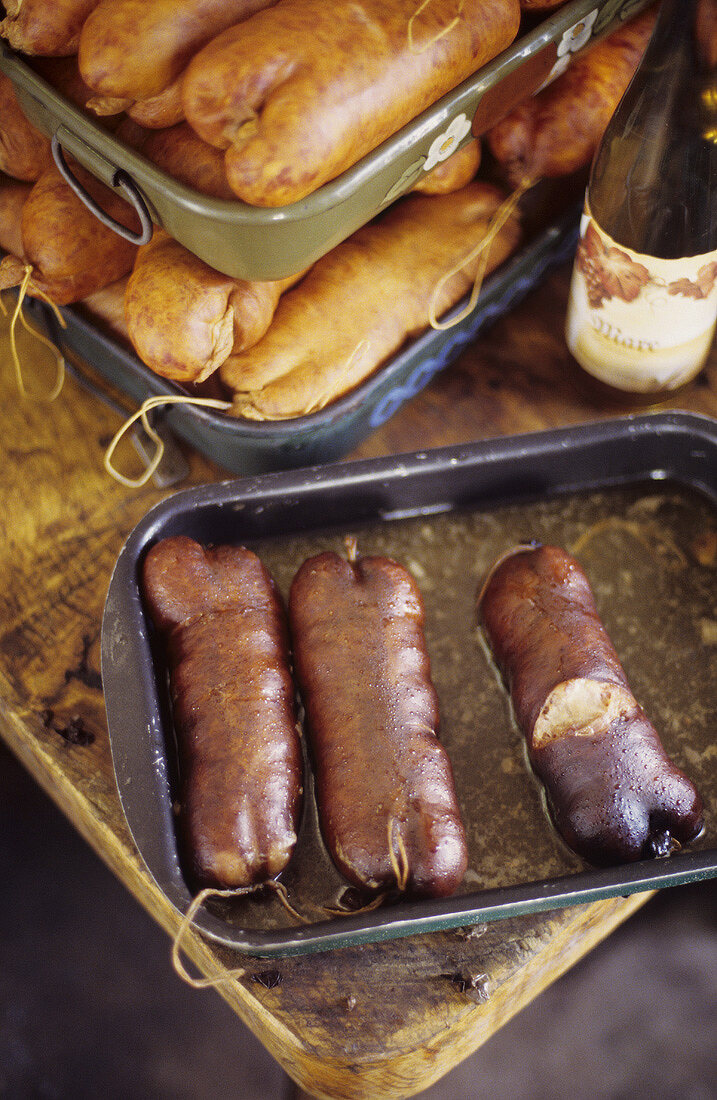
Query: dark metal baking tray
x: 256, y: 243
x: 635, y: 498
x: 247, y: 447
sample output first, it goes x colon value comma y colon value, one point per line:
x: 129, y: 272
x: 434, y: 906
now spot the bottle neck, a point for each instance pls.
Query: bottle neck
x: 654, y: 177
x: 676, y: 19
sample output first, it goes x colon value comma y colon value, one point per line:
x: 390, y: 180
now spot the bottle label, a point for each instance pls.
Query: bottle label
x: 636, y: 322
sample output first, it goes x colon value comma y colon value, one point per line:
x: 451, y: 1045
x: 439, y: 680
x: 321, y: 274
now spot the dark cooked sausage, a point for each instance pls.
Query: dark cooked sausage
x: 385, y: 791
x: 224, y: 628
x: 614, y: 794
x: 301, y: 91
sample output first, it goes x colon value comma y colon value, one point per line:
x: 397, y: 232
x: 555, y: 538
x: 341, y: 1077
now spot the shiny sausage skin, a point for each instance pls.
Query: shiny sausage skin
x: 134, y: 49
x: 614, y: 794
x: 184, y: 318
x: 383, y: 779
x: 557, y: 131
x: 49, y: 29
x: 224, y: 629
x: 12, y: 199
x: 71, y: 252
x: 24, y: 151
x: 303, y: 90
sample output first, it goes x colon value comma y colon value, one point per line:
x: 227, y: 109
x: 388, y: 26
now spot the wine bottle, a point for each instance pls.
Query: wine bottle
x: 643, y: 297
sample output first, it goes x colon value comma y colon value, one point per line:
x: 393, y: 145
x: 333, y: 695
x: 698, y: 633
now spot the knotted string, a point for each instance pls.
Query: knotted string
x: 19, y: 315
x: 482, y: 249
x: 141, y: 414
x: 188, y: 919
x: 399, y: 865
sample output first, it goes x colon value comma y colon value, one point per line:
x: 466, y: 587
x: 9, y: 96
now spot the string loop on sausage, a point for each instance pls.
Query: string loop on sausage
x: 19, y: 315
x: 441, y: 34
x: 188, y: 919
x: 141, y: 414
x: 482, y: 250
x: 399, y: 863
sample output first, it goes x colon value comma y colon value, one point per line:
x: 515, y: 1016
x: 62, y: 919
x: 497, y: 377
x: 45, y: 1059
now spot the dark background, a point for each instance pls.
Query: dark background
x: 90, y: 1005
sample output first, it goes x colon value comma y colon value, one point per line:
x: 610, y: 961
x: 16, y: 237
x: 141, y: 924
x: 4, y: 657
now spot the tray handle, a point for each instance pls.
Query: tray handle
x: 123, y: 182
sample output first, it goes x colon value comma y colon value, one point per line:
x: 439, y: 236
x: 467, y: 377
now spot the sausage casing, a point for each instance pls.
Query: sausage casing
x: 451, y: 174
x: 184, y: 318
x: 614, y: 794
x: 24, y: 151
x: 50, y: 30
x: 556, y: 132
x: 392, y: 270
x: 134, y: 49
x: 301, y: 91
x: 71, y: 252
x: 12, y: 199
x: 224, y: 628
x: 385, y: 791
x: 178, y: 151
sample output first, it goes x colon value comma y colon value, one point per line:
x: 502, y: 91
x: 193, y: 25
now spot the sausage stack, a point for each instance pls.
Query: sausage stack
x: 226, y: 101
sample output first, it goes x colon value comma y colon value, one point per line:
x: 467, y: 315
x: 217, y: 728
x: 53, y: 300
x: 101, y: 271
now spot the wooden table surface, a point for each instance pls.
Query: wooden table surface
x: 372, y: 1021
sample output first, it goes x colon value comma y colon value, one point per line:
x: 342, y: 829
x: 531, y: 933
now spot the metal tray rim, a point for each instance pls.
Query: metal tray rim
x: 330, y: 194
x: 698, y: 432
x: 274, y: 242
x: 494, y: 285
x: 244, y: 446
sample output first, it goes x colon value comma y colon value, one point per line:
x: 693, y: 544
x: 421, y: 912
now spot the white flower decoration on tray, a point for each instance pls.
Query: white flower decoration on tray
x: 447, y: 142
x: 574, y: 38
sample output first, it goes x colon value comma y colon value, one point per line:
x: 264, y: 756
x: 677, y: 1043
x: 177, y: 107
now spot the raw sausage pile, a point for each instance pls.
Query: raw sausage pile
x: 71, y: 253
x: 184, y: 318
x: 132, y: 52
x: 376, y: 65
x: 238, y: 82
x: 557, y: 131
x: 277, y: 98
x: 284, y: 95
x: 320, y: 345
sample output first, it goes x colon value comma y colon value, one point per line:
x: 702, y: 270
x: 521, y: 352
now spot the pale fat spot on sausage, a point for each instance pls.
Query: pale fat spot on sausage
x: 582, y: 708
